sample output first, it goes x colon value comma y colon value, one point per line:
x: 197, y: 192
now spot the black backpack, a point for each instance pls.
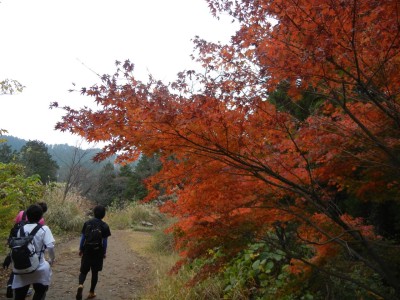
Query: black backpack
x: 24, y: 255
x: 17, y: 226
x: 93, y: 237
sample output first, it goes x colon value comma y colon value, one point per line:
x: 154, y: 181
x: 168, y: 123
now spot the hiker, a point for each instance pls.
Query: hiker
x: 93, y: 249
x: 20, y: 219
x: 21, y: 216
x: 43, y: 241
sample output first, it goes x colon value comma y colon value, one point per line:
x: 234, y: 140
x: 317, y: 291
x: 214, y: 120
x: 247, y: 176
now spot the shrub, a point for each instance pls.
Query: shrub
x: 16, y: 192
x: 163, y: 242
x: 134, y: 215
x: 64, y: 215
x: 260, y: 272
x: 167, y: 286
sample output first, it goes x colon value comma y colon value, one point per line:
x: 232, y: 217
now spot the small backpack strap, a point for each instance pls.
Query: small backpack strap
x: 35, y: 230
x: 32, y: 233
x: 21, y: 231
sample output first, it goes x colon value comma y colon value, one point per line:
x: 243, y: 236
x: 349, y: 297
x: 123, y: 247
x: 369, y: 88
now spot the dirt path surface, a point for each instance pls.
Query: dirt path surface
x: 124, y: 277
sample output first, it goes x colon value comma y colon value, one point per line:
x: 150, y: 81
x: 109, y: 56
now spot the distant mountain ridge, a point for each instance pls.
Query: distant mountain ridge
x: 63, y: 154
x: 15, y: 143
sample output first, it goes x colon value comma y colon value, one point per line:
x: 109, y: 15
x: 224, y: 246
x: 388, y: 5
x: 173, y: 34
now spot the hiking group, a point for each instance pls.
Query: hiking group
x: 30, y: 239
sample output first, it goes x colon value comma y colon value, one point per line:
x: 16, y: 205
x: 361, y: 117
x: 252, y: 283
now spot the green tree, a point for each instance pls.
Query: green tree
x: 6, y: 153
x: 127, y: 184
x: 16, y: 192
x: 135, y: 189
x: 130, y: 180
x: 36, y: 160
x: 106, y: 190
x: 148, y: 166
x: 126, y: 171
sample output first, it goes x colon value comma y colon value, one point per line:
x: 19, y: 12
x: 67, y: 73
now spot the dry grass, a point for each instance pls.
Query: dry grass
x: 134, y: 215
x: 65, y: 216
x: 156, y: 247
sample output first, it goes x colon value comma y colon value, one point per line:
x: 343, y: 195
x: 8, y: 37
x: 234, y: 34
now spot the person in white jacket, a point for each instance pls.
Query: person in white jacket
x: 43, y: 241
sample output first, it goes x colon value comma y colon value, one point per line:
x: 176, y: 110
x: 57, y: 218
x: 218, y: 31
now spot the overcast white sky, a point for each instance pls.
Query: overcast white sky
x: 48, y: 44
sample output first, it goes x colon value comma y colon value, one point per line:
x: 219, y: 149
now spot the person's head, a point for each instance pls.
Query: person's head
x: 99, y: 212
x: 43, y: 205
x: 34, y: 213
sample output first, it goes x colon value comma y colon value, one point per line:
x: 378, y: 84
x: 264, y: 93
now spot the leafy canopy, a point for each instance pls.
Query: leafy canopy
x: 242, y: 161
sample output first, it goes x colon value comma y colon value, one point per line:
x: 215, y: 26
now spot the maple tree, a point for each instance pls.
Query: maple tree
x: 243, y: 166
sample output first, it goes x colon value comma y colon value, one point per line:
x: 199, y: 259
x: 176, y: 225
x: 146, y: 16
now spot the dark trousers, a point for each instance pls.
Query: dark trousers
x: 92, y: 261
x: 40, y: 292
x: 93, y: 281
x: 10, y: 279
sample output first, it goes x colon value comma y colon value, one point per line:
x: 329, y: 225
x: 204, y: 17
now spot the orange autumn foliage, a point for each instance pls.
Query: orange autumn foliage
x: 236, y: 161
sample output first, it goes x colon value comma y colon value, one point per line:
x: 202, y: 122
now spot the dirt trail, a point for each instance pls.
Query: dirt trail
x: 125, y: 274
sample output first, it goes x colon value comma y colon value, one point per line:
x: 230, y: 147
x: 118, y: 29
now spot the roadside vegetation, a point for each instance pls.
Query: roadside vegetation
x: 65, y: 216
x: 257, y: 272
x: 157, y: 246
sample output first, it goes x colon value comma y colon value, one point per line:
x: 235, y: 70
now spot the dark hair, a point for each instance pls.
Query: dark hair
x: 34, y: 213
x: 43, y: 205
x: 99, y: 212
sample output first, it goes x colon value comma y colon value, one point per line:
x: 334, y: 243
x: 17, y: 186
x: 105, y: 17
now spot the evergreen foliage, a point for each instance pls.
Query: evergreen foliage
x: 126, y: 184
x: 37, y: 160
x: 6, y: 153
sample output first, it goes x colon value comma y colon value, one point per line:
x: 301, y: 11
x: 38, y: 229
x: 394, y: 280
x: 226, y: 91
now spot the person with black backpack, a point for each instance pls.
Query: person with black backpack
x: 20, y: 220
x: 28, y: 247
x: 93, y: 250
